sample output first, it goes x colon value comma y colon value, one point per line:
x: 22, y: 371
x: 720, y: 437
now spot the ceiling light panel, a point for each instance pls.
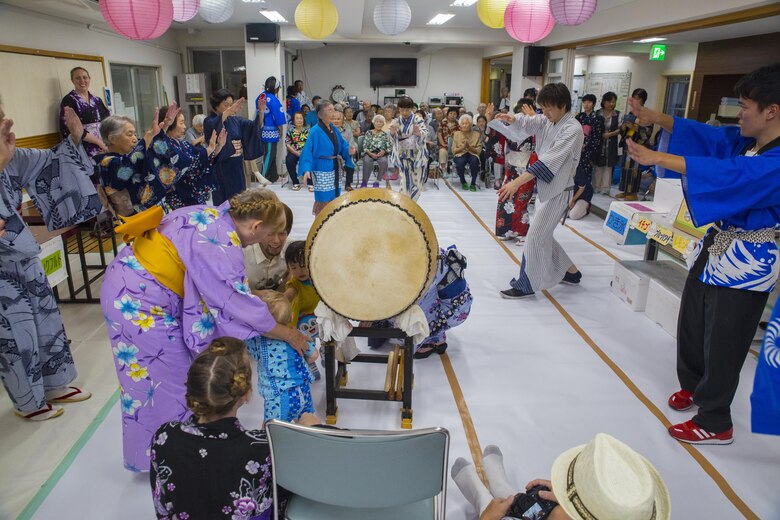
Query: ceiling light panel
x: 440, y: 19
x: 274, y: 16
x: 463, y: 3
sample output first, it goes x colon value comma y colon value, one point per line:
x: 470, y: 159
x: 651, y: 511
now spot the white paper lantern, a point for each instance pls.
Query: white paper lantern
x: 216, y: 11
x: 184, y: 10
x: 392, y: 17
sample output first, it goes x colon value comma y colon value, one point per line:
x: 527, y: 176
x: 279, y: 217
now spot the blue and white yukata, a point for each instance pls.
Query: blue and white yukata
x: 34, y: 351
x: 735, y: 266
x: 320, y: 158
x: 558, y: 147
x: 765, y: 399
x: 273, y: 118
x: 283, y: 378
x: 410, y: 154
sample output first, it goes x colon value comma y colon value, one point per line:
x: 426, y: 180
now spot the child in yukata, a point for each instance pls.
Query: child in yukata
x: 301, y: 294
x: 282, y: 374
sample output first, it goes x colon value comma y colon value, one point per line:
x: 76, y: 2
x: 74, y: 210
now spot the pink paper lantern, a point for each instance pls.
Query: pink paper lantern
x: 528, y: 21
x: 572, y: 12
x: 138, y: 19
x: 184, y: 10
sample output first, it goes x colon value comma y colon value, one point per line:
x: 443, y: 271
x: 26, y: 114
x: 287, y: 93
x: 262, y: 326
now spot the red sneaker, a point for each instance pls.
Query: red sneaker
x: 681, y: 400
x: 692, y: 434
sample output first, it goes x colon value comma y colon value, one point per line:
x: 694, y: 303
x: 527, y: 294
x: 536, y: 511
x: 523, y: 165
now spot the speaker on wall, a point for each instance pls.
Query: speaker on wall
x: 263, y: 33
x: 533, y: 61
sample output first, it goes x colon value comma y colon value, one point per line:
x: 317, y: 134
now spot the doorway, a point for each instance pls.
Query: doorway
x: 136, y: 93
x: 676, y: 96
x: 496, y: 76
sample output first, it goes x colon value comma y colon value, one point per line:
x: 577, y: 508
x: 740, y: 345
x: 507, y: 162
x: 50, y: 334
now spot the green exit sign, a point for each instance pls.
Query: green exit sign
x: 658, y: 53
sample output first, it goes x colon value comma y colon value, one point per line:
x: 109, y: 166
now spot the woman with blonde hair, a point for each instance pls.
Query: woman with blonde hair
x: 180, y: 283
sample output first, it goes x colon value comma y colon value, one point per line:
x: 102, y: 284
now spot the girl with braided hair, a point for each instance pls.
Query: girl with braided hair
x: 209, y: 466
x: 180, y: 283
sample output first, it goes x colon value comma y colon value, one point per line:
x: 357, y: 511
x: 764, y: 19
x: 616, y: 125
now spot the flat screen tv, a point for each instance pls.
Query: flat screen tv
x: 393, y: 72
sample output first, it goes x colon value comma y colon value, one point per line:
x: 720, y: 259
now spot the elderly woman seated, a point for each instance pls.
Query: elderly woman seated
x: 194, y: 134
x: 467, y: 147
x: 376, y: 149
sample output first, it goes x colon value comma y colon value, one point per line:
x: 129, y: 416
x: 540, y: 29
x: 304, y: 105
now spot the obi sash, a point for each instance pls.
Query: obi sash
x: 154, y: 251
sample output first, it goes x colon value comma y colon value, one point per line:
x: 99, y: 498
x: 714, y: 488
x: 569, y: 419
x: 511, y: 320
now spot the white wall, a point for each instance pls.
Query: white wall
x: 448, y: 70
x: 37, y: 31
x: 644, y: 73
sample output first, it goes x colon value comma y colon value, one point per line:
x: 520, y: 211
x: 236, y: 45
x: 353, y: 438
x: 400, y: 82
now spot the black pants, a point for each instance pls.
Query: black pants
x: 269, y: 163
x: 291, y: 161
x: 714, y: 333
x: 350, y: 176
x: 460, y: 165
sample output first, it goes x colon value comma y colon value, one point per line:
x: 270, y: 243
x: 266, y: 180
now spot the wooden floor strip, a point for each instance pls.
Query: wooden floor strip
x: 705, y: 464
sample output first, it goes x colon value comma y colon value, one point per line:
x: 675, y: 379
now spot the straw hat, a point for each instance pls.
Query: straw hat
x: 607, y: 480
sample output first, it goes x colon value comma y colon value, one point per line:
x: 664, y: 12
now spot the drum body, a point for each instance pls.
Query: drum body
x: 372, y: 253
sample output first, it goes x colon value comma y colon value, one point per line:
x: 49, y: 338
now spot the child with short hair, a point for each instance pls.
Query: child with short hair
x: 300, y: 291
x: 282, y: 374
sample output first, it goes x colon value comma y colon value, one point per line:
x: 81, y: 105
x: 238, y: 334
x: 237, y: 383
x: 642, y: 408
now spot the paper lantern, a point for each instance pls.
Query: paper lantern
x: 316, y: 19
x: 216, y: 11
x: 138, y: 19
x: 528, y: 21
x: 392, y: 17
x: 491, y: 12
x: 572, y: 12
x: 184, y: 10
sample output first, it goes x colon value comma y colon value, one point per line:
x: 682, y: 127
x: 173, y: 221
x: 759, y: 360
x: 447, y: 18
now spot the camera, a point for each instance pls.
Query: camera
x: 528, y: 505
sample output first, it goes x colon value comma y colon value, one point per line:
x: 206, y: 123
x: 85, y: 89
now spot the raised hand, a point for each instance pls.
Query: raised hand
x: 233, y: 109
x: 74, y: 125
x: 490, y: 111
x: 7, y: 143
x: 261, y: 104
x: 154, y: 129
x: 505, y: 118
x: 641, y: 154
x: 527, y: 110
x: 644, y: 116
x: 170, y: 116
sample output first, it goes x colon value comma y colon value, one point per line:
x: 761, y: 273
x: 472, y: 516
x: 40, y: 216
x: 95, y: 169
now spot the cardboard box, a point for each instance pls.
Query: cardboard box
x: 663, y: 306
x: 622, y: 219
x: 53, y: 259
x: 630, y: 286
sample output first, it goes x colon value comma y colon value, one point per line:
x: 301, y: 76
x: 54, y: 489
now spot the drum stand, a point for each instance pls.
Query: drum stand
x: 398, y: 380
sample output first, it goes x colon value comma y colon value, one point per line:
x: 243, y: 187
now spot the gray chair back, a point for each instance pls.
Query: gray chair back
x: 359, y: 469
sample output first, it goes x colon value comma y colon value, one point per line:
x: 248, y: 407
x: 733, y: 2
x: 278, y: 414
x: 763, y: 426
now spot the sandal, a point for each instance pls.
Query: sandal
x: 296, y: 187
x: 311, y: 189
x: 47, y: 412
x: 438, y: 349
x: 69, y: 394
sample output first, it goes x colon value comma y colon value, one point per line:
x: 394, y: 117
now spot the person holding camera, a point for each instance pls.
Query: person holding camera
x: 632, y: 130
x: 604, y: 479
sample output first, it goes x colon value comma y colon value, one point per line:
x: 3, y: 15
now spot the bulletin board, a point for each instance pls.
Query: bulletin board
x: 38, y: 80
x: 600, y: 83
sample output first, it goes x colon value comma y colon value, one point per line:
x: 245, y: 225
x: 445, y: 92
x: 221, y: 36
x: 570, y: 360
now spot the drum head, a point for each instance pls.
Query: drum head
x: 372, y: 254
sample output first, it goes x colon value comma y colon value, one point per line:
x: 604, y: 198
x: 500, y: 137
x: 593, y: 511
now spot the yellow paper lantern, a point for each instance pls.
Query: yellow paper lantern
x: 491, y: 12
x: 316, y: 19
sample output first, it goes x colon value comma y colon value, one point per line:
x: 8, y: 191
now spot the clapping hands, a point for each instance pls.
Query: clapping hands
x: 217, y: 142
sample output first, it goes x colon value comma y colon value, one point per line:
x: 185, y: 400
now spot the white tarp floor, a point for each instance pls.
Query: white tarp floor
x: 529, y: 370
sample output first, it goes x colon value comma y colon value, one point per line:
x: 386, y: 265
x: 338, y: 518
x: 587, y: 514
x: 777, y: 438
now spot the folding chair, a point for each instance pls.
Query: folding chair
x: 359, y: 475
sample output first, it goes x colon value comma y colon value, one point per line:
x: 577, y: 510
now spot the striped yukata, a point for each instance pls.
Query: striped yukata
x: 558, y: 146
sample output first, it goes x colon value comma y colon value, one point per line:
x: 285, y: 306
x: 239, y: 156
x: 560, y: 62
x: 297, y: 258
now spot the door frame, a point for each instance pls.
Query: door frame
x: 484, y: 92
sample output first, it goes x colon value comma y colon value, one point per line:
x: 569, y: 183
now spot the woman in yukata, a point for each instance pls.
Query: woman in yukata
x: 179, y: 284
x: 36, y: 364
x: 319, y: 157
x: 410, y: 154
x: 160, y: 169
x: 90, y: 110
x: 243, y: 142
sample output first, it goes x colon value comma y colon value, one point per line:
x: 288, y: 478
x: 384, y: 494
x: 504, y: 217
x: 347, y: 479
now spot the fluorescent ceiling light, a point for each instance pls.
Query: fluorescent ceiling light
x: 440, y: 19
x: 274, y: 16
x: 650, y: 40
x: 254, y: 1
x: 463, y: 3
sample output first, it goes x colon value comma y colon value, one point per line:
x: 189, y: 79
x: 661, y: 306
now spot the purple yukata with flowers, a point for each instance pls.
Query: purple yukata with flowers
x: 155, y: 334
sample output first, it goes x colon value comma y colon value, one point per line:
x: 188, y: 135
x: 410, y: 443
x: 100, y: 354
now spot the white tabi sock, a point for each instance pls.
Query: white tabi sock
x: 493, y: 462
x: 465, y: 476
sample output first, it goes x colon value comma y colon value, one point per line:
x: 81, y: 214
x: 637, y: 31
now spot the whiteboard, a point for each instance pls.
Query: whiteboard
x: 599, y: 83
x: 31, y: 94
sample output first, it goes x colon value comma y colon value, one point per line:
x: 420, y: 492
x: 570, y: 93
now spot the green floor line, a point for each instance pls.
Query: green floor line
x: 63, y: 466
